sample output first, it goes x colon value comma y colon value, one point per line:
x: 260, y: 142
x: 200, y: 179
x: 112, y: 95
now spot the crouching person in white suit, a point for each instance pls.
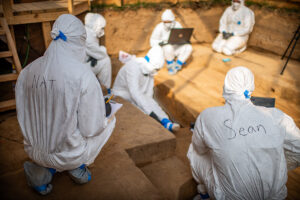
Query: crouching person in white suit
x: 160, y: 36
x: 96, y: 54
x: 135, y: 82
x: 237, y: 150
x: 236, y: 24
x: 61, y: 109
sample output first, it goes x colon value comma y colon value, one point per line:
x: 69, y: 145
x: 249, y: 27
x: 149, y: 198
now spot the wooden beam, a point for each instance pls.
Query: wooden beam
x: 35, y: 18
x: 5, y: 54
x: 71, y: 6
x: 7, y: 105
x: 89, y: 4
x: 7, y: 9
x: 46, y: 27
x: 12, y: 31
x: 8, y: 77
x: 11, y: 45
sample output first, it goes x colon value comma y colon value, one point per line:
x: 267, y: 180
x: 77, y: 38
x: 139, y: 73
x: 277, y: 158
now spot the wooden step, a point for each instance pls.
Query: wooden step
x: 5, y: 54
x: 8, y: 77
x: 7, y: 105
x: 172, y: 178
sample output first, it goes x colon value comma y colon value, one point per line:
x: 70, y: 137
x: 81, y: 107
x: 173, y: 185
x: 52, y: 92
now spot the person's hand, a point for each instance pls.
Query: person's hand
x: 93, y: 61
x: 226, y: 35
x: 162, y: 43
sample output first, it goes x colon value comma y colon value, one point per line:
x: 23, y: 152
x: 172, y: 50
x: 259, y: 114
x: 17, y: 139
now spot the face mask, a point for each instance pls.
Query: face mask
x: 153, y: 72
x: 235, y: 5
x: 168, y: 26
x: 149, y: 69
x: 100, y: 32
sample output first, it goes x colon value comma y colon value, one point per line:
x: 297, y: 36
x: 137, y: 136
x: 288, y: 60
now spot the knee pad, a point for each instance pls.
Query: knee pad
x: 227, y: 51
x: 216, y: 48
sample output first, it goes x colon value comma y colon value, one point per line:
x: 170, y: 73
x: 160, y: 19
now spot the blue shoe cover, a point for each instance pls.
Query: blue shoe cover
x: 178, y: 67
x: 38, y: 177
x: 172, y: 71
x: 168, y: 124
x: 80, y: 175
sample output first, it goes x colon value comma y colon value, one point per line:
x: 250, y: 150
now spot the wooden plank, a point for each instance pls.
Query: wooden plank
x: 80, y: 8
x: 7, y: 105
x: 5, y: 54
x: 11, y: 44
x: 37, y: 6
x: 35, y: 18
x: 7, y: 9
x: 8, y: 77
x: 46, y: 27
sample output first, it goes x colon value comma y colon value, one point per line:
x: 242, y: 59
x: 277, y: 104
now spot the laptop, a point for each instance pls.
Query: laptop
x: 263, y: 101
x: 180, y: 35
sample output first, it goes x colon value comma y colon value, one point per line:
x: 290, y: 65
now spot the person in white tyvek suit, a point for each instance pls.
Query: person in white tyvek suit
x: 236, y: 24
x: 61, y: 109
x: 96, y: 54
x: 160, y: 36
x: 237, y: 150
x: 135, y: 82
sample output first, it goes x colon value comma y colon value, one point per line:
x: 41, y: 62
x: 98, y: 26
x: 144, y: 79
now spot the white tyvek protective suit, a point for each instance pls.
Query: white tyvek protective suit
x: 237, y: 150
x: 94, y: 25
x: 162, y: 32
x: 135, y: 82
x: 239, y: 20
x: 60, y: 104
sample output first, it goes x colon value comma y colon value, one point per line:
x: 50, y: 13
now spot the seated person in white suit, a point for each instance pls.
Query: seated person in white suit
x: 161, y: 35
x: 237, y: 150
x: 236, y: 24
x: 61, y: 109
x: 96, y: 54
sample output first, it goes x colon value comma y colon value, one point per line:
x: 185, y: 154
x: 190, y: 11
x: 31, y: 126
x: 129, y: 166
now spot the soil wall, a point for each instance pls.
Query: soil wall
x: 130, y: 30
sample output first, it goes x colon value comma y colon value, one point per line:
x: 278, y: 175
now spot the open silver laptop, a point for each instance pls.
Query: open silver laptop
x: 180, y: 35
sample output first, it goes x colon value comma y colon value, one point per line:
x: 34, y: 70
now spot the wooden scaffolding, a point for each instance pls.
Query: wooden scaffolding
x: 43, y: 12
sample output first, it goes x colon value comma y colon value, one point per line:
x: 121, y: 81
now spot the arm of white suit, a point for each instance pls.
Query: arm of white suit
x: 91, y: 111
x: 150, y: 92
x: 223, y: 22
x: 96, y: 51
x: 292, y: 140
x: 198, y: 138
x: 247, y: 23
x: 155, y: 38
x: 140, y: 99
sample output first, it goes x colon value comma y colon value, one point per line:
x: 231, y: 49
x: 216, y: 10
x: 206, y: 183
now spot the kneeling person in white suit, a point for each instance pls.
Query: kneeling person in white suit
x: 97, y: 55
x: 237, y: 150
x: 160, y: 35
x: 236, y: 24
x: 61, y: 109
x: 135, y: 82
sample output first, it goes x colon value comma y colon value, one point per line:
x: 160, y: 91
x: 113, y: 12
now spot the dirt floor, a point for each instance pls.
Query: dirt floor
x: 139, y: 162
